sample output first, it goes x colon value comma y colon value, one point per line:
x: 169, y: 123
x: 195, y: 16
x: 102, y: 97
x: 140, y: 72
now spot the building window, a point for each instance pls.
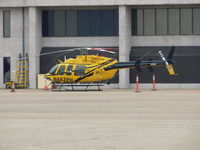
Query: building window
x: 48, y: 23
x: 186, y: 21
x: 107, y: 23
x: 59, y: 23
x: 161, y: 21
x: 80, y: 23
x: 83, y: 22
x: 196, y: 21
x: 166, y: 21
x: 6, y: 69
x: 6, y: 23
x: 174, y: 21
x: 95, y: 20
x: 149, y: 21
x: 71, y: 23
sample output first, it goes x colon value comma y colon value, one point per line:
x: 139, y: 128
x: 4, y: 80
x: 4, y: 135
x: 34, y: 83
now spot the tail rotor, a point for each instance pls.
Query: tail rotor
x: 169, y: 61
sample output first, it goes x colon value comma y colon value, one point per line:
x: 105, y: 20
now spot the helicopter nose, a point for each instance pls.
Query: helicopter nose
x: 46, y: 76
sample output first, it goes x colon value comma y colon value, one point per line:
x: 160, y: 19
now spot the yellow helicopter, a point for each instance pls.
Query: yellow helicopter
x: 87, y: 68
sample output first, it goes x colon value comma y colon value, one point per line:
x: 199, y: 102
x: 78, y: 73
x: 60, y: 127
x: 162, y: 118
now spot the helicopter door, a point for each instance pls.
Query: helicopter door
x: 80, y: 70
x: 69, y: 70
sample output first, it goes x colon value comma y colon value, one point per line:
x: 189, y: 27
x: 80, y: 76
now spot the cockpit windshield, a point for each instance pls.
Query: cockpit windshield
x: 53, y: 70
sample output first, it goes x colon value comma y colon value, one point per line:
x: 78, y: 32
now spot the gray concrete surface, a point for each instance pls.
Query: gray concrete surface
x: 105, y: 120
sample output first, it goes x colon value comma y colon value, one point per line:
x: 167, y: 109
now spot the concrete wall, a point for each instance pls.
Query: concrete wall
x: 11, y: 47
x: 176, y: 40
x: 27, y: 3
x: 80, y: 41
x: 189, y: 40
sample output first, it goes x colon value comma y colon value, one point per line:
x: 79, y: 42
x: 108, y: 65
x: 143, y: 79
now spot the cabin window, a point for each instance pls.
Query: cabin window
x: 80, y: 70
x: 69, y: 70
x: 53, y: 70
x: 61, y: 69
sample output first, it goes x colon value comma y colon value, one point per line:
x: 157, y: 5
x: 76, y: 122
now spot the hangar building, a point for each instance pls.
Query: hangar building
x: 134, y: 26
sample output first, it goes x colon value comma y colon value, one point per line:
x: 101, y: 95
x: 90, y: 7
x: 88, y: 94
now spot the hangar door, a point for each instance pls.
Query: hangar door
x: 186, y: 66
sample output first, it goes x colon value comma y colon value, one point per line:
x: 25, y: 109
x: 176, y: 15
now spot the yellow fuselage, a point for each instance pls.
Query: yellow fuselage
x: 83, y: 69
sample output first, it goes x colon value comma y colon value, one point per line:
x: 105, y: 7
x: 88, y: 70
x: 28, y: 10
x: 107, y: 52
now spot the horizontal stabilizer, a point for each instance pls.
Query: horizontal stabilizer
x: 170, y: 69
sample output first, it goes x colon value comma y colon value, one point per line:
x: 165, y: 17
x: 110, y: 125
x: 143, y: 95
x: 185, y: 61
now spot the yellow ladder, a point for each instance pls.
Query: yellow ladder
x: 21, y: 76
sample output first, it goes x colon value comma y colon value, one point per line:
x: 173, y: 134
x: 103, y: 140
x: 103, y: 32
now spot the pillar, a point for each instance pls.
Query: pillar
x: 35, y: 36
x: 1, y: 71
x: 124, y: 43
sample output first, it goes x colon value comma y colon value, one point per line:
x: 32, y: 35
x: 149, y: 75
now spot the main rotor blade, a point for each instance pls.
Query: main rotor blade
x: 102, y: 49
x: 60, y: 51
x: 144, y: 55
x: 80, y: 49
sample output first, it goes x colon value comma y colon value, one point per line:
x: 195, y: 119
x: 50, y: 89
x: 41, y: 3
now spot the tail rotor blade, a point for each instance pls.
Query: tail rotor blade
x: 171, y: 53
x: 169, y: 66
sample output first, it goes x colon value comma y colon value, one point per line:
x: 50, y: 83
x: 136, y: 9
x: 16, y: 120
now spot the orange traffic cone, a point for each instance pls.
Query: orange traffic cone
x: 12, y: 87
x: 137, y: 83
x: 154, y: 83
x: 45, y: 86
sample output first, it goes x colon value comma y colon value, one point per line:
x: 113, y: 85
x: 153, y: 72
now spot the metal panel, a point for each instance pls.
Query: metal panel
x: 6, y: 23
x: 95, y: 21
x: 59, y: 28
x: 161, y: 21
x: 83, y: 22
x: 149, y: 21
x: 196, y: 21
x: 174, y: 21
x: 186, y: 21
x: 71, y: 23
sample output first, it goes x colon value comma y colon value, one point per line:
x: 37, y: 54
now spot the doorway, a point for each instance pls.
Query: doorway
x: 6, y: 69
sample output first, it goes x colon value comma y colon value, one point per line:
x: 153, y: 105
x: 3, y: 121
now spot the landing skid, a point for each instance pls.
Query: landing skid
x: 76, y: 87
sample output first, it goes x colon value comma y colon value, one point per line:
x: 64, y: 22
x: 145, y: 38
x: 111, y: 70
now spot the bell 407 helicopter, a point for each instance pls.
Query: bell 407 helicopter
x: 87, y: 68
